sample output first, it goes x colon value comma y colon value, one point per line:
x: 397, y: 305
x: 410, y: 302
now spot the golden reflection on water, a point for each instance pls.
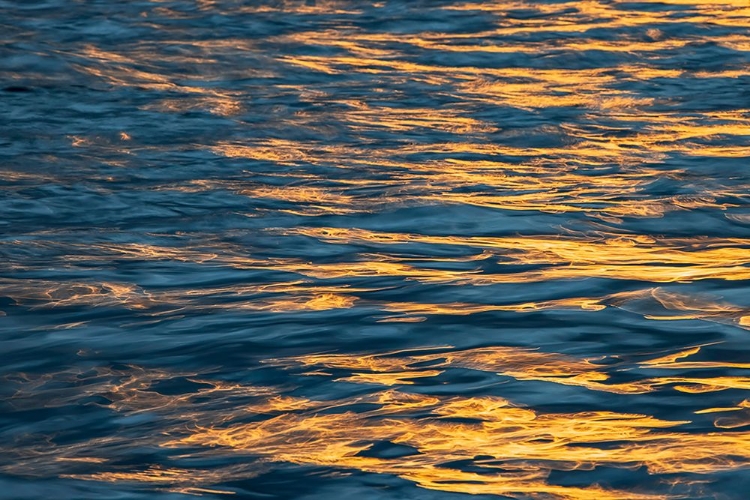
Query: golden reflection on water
x: 528, y: 364
x: 357, y: 143
x: 613, y: 256
x: 512, y: 449
x: 577, y: 178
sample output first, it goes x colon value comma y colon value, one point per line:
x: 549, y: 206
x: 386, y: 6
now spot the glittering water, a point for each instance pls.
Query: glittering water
x: 405, y: 249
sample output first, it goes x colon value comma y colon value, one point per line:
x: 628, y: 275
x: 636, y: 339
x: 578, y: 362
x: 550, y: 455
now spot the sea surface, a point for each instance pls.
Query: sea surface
x: 375, y: 250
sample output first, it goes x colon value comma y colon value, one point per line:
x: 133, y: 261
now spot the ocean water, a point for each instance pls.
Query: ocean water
x: 381, y: 250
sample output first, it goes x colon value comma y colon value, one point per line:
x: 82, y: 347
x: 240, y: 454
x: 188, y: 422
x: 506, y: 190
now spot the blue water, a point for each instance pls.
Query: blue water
x: 388, y: 250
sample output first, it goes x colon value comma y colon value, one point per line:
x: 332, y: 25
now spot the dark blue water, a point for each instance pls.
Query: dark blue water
x: 386, y: 250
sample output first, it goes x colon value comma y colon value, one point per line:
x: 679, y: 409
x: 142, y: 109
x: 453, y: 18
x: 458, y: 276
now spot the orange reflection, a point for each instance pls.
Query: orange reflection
x: 511, y: 449
x: 590, y: 144
x: 525, y: 364
x: 631, y: 257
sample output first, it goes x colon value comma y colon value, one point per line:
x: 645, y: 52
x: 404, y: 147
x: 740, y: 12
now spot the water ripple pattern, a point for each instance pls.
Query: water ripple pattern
x: 400, y: 249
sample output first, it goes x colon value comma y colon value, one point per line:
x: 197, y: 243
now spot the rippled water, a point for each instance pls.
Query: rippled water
x: 394, y: 250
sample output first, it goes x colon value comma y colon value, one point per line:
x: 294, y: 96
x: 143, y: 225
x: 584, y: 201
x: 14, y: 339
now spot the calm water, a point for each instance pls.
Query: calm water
x: 378, y: 250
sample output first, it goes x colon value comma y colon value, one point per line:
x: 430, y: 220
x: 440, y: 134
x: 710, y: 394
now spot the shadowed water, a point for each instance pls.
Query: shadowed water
x: 387, y: 250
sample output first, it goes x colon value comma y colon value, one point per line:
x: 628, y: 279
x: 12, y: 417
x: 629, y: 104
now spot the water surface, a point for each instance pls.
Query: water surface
x: 394, y: 250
